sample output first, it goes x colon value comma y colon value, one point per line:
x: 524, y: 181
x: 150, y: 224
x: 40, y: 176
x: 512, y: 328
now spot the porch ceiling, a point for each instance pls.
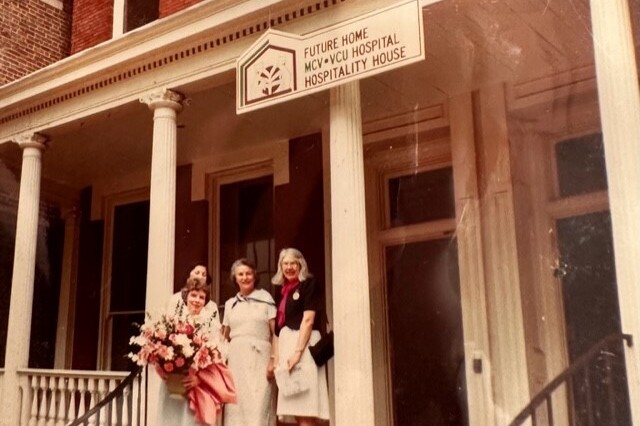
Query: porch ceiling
x: 469, y: 44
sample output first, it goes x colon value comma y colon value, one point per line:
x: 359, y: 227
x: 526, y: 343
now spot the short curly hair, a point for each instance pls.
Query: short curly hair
x: 243, y: 262
x: 195, y: 284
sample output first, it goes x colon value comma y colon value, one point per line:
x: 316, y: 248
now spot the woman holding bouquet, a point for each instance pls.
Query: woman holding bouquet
x: 297, y: 327
x: 177, y: 302
x: 208, y: 382
x: 249, y: 321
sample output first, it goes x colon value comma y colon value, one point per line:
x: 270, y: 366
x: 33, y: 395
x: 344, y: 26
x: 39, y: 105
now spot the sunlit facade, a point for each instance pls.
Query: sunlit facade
x: 474, y: 216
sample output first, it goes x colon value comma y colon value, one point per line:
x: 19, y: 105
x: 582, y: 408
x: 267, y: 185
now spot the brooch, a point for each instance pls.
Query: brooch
x: 296, y: 295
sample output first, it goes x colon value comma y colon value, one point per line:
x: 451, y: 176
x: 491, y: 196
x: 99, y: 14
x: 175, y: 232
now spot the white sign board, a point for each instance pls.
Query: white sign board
x: 282, y: 66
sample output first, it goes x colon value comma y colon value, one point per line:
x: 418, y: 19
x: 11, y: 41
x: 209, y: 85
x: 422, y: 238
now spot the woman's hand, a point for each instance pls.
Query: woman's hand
x: 271, y: 367
x: 191, y: 381
x: 294, y: 359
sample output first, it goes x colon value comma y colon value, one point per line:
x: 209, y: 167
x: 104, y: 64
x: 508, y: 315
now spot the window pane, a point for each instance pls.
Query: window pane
x: 123, y: 328
x: 421, y: 197
x: 140, y: 12
x: 129, y: 256
x: 581, y: 167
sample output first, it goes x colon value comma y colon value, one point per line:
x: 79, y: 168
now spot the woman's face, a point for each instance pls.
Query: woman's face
x: 199, y: 273
x: 195, y: 301
x: 290, y: 268
x: 246, y: 279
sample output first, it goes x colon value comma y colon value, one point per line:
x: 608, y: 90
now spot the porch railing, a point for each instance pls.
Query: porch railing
x: 541, y: 406
x: 58, y: 397
x: 119, y: 407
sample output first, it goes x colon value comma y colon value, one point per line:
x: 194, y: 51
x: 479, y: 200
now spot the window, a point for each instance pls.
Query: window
x: 581, y: 167
x: 131, y: 14
x: 421, y: 197
x: 139, y: 13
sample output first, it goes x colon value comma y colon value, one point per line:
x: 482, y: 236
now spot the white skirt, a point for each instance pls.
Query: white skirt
x: 315, y: 401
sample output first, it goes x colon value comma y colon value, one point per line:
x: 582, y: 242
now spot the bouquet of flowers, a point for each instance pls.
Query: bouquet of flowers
x: 175, y: 344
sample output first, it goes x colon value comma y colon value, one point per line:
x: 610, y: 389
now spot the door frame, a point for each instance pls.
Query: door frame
x: 434, y: 151
x: 110, y: 202
x: 213, y: 182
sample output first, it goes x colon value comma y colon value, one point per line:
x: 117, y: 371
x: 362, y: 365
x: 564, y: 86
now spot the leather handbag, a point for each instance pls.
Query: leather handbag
x: 322, y: 351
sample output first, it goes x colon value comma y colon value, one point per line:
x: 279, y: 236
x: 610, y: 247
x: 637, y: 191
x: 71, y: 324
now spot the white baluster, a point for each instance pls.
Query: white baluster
x: 42, y: 412
x: 125, y: 405
x: 114, y: 404
x: 33, y: 419
x: 82, y: 388
x: 93, y: 399
x: 73, y: 397
x: 51, y: 412
x: 142, y: 396
x: 102, y: 393
x: 134, y: 401
x: 62, y: 406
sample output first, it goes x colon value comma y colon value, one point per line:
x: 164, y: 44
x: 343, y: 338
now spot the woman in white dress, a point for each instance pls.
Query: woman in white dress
x: 298, y: 327
x: 249, y: 321
x: 179, y: 411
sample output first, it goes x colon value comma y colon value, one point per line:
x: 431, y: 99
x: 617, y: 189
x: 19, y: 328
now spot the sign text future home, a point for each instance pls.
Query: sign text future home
x: 282, y: 66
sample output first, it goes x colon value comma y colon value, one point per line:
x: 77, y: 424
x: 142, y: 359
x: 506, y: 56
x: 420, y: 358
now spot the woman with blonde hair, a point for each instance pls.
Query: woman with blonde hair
x: 298, y: 327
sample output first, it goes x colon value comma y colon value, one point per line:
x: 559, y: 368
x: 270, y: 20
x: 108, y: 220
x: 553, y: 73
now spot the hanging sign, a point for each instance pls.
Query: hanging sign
x: 282, y: 66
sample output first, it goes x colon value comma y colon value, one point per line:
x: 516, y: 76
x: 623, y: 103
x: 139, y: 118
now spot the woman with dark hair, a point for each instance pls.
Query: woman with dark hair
x: 249, y: 321
x: 297, y: 328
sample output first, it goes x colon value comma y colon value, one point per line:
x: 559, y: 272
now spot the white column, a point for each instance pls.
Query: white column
x: 162, y: 210
x: 350, y: 276
x: 24, y: 263
x: 619, y: 102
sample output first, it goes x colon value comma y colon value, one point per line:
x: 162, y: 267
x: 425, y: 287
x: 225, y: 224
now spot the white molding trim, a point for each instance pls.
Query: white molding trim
x: 54, y: 3
x: 193, y: 45
x: 274, y: 152
x: 117, y: 27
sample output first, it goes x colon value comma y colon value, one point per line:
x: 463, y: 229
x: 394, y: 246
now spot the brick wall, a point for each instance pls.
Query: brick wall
x: 33, y: 34
x: 168, y: 7
x: 92, y: 23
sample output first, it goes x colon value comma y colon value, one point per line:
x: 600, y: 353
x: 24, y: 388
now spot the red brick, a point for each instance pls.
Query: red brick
x: 33, y: 34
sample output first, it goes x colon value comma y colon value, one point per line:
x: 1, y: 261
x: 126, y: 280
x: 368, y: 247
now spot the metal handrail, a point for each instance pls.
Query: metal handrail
x: 115, y: 393
x: 568, y: 373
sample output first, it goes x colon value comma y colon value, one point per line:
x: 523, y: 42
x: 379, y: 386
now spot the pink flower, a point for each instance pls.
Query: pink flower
x: 168, y: 367
x: 179, y: 362
x: 164, y: 352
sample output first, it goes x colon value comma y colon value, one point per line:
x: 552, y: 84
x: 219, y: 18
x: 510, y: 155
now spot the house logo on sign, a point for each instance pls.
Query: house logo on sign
x: 269, y: 73
x: 281, y: 66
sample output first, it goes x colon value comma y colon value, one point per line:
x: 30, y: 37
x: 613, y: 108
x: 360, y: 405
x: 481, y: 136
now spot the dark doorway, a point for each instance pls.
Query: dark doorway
x: 591, y: 313
x: 246, y: 230
x: 425, y: 329
x: 128, y: 277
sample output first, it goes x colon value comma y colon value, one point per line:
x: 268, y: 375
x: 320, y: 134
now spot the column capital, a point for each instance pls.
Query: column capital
x: 163, y: 98
x: 32, y: 140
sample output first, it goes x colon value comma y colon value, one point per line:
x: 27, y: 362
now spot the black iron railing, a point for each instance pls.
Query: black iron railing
x: 122, y: 406
x: 541, y: 406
